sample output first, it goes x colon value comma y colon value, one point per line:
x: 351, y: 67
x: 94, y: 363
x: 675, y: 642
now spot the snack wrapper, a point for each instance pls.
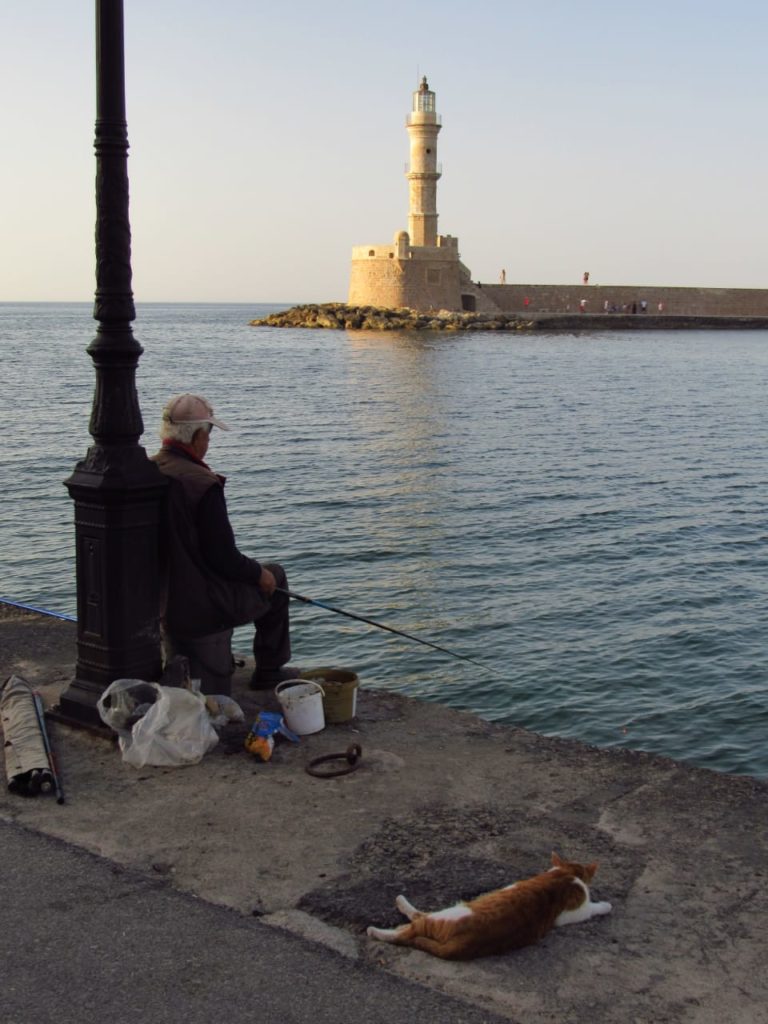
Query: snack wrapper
x: 260, y: 741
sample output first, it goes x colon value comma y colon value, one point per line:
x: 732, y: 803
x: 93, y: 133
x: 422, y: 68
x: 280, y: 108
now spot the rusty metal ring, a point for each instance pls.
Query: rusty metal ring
x: 351, y: 755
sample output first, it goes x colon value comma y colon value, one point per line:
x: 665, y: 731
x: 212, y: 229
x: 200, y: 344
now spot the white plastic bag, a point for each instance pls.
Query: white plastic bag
x: 175, y: 728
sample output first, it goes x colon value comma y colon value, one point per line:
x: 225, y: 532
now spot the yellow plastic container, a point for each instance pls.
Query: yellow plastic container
x: 340, y: 686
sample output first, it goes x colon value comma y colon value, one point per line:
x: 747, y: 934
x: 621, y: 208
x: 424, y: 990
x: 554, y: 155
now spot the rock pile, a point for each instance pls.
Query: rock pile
x: 337, y: 316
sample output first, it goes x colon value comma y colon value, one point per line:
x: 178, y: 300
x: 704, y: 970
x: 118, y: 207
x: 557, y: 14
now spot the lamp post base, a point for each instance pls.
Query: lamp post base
x: 117, y: 545
x: 78, y: 707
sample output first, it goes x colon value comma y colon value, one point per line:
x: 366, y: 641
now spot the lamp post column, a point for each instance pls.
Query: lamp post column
x: 118, y: 492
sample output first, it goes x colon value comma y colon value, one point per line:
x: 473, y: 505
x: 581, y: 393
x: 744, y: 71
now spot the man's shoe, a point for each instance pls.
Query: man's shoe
x: 268, y: 678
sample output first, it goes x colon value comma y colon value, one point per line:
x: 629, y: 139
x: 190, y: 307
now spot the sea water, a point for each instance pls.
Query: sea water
x: 585, y: 514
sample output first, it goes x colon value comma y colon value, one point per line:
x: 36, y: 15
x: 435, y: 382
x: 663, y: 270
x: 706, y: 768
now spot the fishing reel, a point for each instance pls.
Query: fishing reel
x: 32, y: 783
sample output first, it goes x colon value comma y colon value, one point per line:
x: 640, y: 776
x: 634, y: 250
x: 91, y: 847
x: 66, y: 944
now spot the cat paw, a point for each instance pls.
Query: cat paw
x: 603, y: 908
x: 406, y: 908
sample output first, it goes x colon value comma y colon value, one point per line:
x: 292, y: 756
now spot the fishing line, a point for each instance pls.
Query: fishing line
x: 389, y: 629
x: 42, y: 611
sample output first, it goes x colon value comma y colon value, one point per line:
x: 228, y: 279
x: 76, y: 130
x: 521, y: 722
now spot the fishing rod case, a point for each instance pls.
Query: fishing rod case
x: 26, y: 762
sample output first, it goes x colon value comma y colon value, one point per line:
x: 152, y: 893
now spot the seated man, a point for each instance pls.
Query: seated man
x: 210, y: 586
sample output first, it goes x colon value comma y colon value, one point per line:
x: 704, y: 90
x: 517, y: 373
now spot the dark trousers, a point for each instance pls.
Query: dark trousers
x: 272, y: 641
x: 210, y: 657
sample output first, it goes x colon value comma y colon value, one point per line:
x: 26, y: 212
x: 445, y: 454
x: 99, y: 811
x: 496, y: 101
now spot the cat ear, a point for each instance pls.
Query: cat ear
x: 590, y: 869
x: 556, y: 861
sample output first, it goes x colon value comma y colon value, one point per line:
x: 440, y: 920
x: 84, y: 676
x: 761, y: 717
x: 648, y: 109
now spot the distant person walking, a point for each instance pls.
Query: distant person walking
x: 585, y: 279
x: 526, y: 302
x: 661, y: 307
x: 503, y: 277
x: 583, y: 306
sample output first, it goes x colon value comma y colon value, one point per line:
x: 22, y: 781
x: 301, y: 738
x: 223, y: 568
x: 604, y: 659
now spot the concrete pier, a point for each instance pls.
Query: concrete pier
x: 443, y: 806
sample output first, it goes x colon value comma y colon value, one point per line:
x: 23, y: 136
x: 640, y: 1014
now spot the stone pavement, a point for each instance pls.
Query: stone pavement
x: 443, y: 806
x: 84, y: 941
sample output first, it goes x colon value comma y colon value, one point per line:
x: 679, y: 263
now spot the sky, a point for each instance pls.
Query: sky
x: 624, y: 139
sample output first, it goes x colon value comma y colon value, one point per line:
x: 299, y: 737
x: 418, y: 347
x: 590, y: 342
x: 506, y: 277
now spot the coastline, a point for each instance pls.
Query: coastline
x: 339, y: 316
x: 445, y: 805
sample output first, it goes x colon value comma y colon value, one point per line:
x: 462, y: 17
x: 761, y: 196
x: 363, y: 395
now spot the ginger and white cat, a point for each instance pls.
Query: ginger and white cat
x: 518, y: 915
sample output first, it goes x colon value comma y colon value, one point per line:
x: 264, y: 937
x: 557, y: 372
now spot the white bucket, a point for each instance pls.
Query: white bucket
x: 302, y: 703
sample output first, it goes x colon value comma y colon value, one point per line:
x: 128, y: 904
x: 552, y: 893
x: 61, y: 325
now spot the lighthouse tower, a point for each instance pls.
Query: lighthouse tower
x: 419, y: 269
x: 423, y: 125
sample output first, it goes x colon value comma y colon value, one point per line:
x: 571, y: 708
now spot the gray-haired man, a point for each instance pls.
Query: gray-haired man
x: 210, y: 585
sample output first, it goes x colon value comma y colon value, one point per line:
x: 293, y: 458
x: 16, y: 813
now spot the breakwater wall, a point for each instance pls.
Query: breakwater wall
x: 599, y: 298
x: 339, y: 316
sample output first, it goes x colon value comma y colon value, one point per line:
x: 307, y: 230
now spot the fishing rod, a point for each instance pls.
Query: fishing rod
x: 40, y: 712
x: 389, y: 629
x: 33, y: 608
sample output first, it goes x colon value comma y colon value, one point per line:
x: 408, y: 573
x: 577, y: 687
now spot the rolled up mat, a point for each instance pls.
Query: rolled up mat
x: 26, y: 761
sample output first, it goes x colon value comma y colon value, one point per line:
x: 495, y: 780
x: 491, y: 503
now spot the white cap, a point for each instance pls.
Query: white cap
x: 191, y: 409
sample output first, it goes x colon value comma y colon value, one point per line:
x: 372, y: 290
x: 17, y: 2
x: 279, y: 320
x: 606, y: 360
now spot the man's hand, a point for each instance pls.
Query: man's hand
x: 267, y: 583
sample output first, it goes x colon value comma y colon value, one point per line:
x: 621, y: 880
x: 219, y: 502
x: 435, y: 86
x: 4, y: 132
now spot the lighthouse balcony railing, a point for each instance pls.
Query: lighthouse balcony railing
x: 417, y: 117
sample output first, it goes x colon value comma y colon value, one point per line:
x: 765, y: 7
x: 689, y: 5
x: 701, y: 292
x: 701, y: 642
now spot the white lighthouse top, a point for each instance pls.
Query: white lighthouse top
x: 424, y: 98
x: 423, y: 112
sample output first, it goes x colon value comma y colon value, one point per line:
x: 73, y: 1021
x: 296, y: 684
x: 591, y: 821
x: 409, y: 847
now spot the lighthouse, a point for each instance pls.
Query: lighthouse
x: 420, y: 269
x: 423, y: 125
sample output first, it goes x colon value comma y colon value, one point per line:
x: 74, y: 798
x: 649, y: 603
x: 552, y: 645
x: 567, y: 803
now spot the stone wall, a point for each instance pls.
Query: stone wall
x: 688, y: 301
x: 432, y: 277
x: 427, y: 279
x: 376, y: 280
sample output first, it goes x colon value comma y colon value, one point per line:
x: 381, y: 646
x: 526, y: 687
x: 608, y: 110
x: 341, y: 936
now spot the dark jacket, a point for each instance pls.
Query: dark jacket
x: 209, y: 584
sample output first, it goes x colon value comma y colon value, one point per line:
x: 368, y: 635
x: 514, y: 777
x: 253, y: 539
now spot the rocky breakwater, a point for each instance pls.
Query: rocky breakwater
x: 337, y: 316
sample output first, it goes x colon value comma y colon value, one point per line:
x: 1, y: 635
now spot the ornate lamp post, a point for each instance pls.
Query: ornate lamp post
x: 117, y: 491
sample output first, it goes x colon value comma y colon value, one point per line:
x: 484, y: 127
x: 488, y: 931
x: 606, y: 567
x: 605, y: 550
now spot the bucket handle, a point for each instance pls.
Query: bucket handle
x: 298, y: 682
